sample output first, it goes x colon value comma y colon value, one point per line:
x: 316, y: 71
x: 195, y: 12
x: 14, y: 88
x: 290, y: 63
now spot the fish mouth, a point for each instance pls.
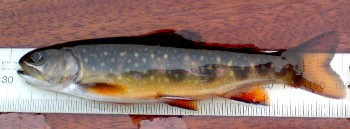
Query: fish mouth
x: 21, y: 72
x: 34, y: 81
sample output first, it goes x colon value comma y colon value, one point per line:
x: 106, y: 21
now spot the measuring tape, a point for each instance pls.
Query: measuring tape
x: 17, y: 96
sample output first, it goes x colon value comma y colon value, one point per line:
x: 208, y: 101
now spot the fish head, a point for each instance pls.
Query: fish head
x: 48, y: 68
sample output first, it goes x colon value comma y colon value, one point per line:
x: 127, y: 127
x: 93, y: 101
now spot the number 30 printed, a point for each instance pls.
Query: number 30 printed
x: 7, y: 79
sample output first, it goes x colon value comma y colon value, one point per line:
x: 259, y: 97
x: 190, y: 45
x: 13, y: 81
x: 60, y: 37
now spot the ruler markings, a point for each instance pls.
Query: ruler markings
x: 10, y: 55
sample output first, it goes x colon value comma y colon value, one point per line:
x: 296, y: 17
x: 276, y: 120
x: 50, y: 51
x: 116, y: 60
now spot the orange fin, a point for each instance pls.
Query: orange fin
x: 181, y: 102
x: 318, y: 76
x: 254, y: 95
x: 104, y: 89
x: 314, y: 72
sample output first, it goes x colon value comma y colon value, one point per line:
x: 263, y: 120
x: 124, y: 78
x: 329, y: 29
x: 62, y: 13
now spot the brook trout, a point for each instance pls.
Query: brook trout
x: 165, y: 67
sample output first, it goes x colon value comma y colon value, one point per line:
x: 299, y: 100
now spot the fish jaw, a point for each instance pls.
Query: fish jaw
x: 39, y: 83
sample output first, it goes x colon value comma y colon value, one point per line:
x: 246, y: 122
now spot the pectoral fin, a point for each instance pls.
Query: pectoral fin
x: 181, y: 102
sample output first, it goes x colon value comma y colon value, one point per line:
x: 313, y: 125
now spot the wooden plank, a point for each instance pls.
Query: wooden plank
x: 266, y: 23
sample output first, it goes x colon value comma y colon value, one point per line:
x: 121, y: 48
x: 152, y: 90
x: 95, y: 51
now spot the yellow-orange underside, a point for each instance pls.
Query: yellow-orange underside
x: 158, y: 85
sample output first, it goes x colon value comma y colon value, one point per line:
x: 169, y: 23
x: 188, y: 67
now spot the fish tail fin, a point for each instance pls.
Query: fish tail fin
x: 318, y: 76
x: 314, y: 72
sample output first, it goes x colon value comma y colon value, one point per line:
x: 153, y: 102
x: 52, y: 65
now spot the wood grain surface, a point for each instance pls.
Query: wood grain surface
x: 269, y: 24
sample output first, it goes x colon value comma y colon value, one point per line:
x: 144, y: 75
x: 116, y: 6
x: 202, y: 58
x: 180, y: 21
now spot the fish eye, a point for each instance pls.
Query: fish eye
x: 36, y: 57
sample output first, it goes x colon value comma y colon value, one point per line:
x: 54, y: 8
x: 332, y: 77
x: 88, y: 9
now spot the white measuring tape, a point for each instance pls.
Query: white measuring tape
x: 17, y: 96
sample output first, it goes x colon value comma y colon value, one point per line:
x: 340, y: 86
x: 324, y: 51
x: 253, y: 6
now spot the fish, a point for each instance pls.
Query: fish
x: 164, y: 67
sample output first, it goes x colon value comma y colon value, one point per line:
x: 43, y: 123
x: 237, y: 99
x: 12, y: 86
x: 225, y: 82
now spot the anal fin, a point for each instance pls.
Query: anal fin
x: 254, y: 95
x: 181, y: 102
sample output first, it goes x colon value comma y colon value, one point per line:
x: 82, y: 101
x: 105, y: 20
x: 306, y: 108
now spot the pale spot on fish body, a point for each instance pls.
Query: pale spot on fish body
x: 209, y: 67
x: 122, y: 54
x: 136, y: 54
x: 252, y: 65
x: 231, y: 74
x: 105, y: 53
x: 218, y: 59
x: 93, y: 55
x: 102, y: 64
x: 119, y: 77
x: 151, y: 78
x: 201, y: 58
x: 144, y: 72
x: 193, y: 63
x: 187, y: 58
x: 230, y: 63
